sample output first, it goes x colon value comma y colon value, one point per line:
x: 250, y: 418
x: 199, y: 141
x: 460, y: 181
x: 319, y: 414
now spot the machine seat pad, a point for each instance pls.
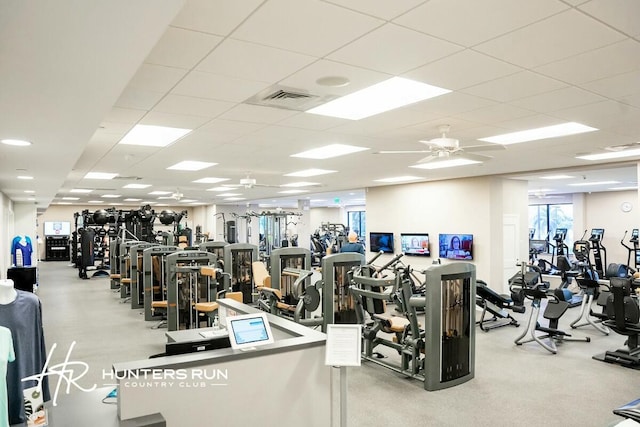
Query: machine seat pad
x: 393, y: 323
x: 160, y: 304
x: 275, y: 292
x: 206, y: 307
x: 126, y: 281
x: 284, y: 306
x: 115, y: 276
x: 208, y: 271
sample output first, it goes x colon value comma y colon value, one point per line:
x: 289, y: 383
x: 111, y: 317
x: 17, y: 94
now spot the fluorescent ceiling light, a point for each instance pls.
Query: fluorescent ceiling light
x: 541, y: 190
x: 228, y: 194
x: 398, y: 179
x: 25, y: 177
x: 111, y: 196
x: 29, y: 191
x: 96, y: 201
x: 310, y: 172
x: 153, y: 136
x: 388, y: 95
x: 71, y: 198
x: 445, y: 164
x: 16, y: 142
x: 586, y: 184
x: 100, y: 175
x: 611, y: 155
x: 148, y: 202
x: 633, y: 187
x: 218, y: 189
x: 159, y: 193
x: 210, y: 180
x: 557, y: 177
x: 329, y: 151
x: 138, y: 186
x: 63, y: 203
x: 563, y: 129
x: 191, y: 165
x: 233, y: 199
x: 293, y: 191
x: 132, y: 200
x: 299, y: 184
x: 80, y: 190
x: 165, y: 197
x: 317, y: 200
x: 188, y: 200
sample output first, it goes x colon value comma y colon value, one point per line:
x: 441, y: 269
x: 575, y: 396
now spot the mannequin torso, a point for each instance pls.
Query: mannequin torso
x: 7, y: 291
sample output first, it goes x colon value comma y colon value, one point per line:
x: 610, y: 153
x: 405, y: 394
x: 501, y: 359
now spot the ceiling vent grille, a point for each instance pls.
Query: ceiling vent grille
x: 287, y: 98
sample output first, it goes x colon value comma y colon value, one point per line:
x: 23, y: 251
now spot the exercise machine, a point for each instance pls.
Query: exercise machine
x: 238, y: 259
x: 624, y: 319
x: 633, y: 252
x: 587, y: 316
x: 155, y: 280
x: 136, y: 273
x: 338, y: 305
x: 528, y: 282
x: 598, y: 251
x: 216, y: 248
x: 497, y: 305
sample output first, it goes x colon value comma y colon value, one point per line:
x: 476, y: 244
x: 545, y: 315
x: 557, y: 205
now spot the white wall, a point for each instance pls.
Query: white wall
x: 334, y: 215
x: 466, y: 206
x: 6, y: 233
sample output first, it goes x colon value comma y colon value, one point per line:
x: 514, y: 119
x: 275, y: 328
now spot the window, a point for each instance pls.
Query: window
x: 545, y: 219
x: 356, y: 221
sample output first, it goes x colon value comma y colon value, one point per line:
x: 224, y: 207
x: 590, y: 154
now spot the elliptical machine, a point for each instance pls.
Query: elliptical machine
x: 635, y: 250
x: 598, y: 250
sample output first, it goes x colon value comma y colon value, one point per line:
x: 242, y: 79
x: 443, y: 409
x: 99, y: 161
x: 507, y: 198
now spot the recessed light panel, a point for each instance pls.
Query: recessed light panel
x: 388, y: 95
x: 299, y: 184
x: 137, y: 186
x: 96, y: 201
x: 191, y: 165
x: 586, y: 184
x: 132, y: 200
x: 554, y: 177
x: 100, y: 175
x: 611, y: 155
x: 16, y: 142
x: 310, y: 172
x: 80, y: 190
x: 29, y: 191
x: 293, y: 191
x: 563, y: 129
x: 25, y: 177
x: 210, y: 180
x: 398, y: 179
x: 111, y: 196
x: 234, y: 199
x: 634, y: 187
x: 159, y: 193
x: 228, y: 194
x: 153, y: 136
x: 329, y: 151
x: 446, y: 164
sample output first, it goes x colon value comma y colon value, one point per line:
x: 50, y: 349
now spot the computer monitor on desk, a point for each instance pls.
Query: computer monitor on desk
x: 249, y: 331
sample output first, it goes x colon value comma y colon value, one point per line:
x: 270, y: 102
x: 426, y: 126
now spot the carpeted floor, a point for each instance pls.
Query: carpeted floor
x: 514, y: 385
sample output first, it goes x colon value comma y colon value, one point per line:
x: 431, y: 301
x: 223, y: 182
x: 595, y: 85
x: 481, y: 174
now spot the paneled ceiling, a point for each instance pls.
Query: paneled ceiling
x: 75, y: 77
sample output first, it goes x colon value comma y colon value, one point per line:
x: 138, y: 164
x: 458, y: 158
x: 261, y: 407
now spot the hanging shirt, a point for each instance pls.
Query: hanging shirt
x: 23, y: 317
x: 21, y: 251
x: 6, y: 355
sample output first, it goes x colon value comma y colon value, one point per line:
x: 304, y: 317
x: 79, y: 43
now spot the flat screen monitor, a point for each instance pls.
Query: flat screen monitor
x: 538, y: 246
x: 456, y: 246
x: 561, y: 234
x: 381, y: 242
x: 597, y: 234
x: 57, y: 228
x: 415, y: 244
x: 185, y: 347
x: 248, y: 331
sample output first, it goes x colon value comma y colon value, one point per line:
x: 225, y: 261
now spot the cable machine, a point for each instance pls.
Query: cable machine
x: 338, y: 305
x: 216, y: 248
x: 238, y: 259
x: 136, y: 273
x: 154, y: 282
x: 273, y: 229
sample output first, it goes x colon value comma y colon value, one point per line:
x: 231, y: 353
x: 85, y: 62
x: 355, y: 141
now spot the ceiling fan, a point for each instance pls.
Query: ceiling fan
x: 444, y: 147
x: 176, y: 195
x: 247, y: 183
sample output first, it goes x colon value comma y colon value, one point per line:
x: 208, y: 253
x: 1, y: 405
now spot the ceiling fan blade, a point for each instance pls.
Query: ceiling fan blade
x: 476, y: 157
x: 402, y: 152
x: 490, y: 147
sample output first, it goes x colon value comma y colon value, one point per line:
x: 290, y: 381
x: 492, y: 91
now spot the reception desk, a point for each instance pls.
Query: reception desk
x: 283, y: 383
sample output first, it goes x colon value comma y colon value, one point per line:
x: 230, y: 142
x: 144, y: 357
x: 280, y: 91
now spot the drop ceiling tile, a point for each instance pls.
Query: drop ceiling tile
x: 312, y: 121
x: 451, y: 103
x: 596, y: 64
x: 214, y: 16
x: 469, y: 22
x: 256, y: 114
x: 317, y: 29
x: 453, y: 73
x: 252, y: 61
x: 138, y: 99
x: 514, y: 86
x: 616, y: 87
x: 531, y: 121
x: 173, y: 120
x: 189, y: 105
x: 565, y: 34
x: 494, y: 113
x: 558, y: 99
x: 124, y: 115
x: 214, y: 86
x: 600, y: 115
x: 359, y: 78
x: 156, y: 78
x: 621, y: 14
x: 380, y: 8
x: 393, y: 49
x: 182, y: 48
x: 230, y: 129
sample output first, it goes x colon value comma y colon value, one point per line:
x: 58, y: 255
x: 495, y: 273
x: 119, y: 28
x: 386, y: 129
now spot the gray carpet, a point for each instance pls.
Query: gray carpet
x: 514, y: 385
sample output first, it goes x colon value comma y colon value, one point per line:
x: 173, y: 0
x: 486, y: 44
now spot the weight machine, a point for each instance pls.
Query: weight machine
x: 154, y: 281
x: 136, y: 273
x: 186, y: 286
x: 273, y: 229
x: 216, y: 248
x: 238, y: 258
x: 338, y: 304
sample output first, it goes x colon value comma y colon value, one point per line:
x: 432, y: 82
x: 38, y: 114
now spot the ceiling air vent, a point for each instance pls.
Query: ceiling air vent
x: 287, y: 98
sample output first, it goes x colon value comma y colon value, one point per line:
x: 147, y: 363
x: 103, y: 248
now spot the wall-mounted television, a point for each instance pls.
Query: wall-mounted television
x: 456, y: 246
x: 415, y: 243
x: 57, y: 228
x: 381, y: 242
